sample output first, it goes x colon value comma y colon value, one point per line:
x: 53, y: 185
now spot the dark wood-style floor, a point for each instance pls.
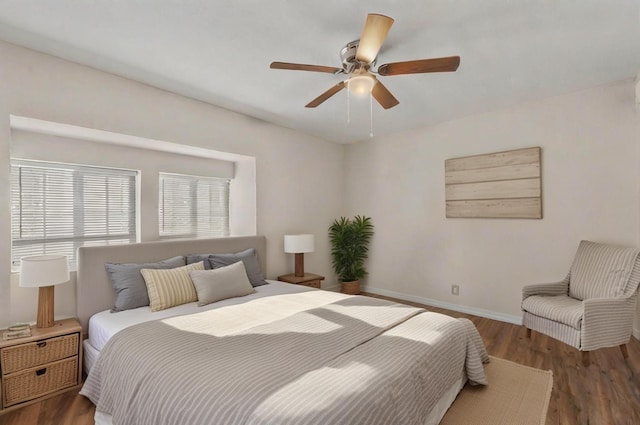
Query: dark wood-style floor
x: 605, y: 393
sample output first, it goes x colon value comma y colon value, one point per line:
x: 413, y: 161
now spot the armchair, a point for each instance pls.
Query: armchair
x: 594, y: 306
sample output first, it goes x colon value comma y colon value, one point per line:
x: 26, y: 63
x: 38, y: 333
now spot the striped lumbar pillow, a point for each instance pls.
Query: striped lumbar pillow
x: 170, y: 287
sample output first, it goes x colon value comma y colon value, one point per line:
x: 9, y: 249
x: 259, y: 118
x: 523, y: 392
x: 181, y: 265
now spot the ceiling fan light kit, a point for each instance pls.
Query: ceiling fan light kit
x: 361, y: 83
x: 360, y: 56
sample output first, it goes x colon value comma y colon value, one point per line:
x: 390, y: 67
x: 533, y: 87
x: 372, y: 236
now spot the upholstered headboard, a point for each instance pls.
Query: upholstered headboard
x: 94, y: 290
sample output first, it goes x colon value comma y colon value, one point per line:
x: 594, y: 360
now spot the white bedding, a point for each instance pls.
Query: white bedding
x: 103, y: 325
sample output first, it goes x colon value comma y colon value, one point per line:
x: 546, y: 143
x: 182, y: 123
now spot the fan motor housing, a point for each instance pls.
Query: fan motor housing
x: 348, y: 57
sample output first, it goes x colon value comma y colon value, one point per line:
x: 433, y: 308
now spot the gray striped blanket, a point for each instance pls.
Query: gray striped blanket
x: 355, y: 360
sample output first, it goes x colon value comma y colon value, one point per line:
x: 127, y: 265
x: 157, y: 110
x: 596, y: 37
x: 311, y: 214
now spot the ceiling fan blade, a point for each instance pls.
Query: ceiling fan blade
x: 383, y: 95
x: 326, y: 95
x: 303, y: 67
x: 448, y: 64
x: 373, y: 35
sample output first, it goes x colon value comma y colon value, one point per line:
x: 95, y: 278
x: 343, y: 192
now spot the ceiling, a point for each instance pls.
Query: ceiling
x: 219, y: 52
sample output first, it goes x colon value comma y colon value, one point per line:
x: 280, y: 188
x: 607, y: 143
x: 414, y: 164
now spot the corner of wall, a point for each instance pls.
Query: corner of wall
x: 5, y: 211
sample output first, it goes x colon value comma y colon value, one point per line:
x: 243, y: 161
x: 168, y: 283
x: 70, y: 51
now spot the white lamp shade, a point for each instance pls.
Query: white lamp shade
x: 43, y: 270
x: 297, y: 244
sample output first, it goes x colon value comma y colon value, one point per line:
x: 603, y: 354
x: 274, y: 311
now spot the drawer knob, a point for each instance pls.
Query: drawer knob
x: 41, y: 372
x: 42, y: 344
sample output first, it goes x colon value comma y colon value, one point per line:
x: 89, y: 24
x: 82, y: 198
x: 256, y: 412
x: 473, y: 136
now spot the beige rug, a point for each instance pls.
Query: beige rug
x: 516, y: 395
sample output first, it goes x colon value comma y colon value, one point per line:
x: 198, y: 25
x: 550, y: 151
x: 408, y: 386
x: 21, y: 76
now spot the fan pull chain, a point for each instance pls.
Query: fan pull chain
x: 348, y: 104
x: 370, y: 115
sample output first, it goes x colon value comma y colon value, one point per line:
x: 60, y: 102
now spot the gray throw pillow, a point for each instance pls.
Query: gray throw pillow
x: 196, y: 258
x: 128, y: 283
x: 250, y: 259
x: 222, y: 283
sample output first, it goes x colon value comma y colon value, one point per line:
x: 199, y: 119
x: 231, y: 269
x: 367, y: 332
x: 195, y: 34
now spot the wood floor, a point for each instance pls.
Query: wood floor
x: 605, y: 393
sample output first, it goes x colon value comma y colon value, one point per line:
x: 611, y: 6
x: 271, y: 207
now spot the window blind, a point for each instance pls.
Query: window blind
x: 56, y: 208
x: 193, y: 206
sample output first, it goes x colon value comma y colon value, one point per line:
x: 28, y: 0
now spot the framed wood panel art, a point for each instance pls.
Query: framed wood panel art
x: 496, y: 185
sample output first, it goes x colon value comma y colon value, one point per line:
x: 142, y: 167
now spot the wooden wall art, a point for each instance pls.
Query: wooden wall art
x: 496, y: 185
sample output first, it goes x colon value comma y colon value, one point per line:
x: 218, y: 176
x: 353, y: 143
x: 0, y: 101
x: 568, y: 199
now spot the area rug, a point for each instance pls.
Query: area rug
x: 516, y: 394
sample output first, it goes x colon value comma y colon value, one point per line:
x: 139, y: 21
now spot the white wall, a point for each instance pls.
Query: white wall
x: 299, y: 178
x: 590, y: 181
x: 5, y: 208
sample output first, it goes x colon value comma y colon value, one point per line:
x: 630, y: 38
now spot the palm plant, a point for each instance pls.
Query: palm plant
x: 350, y: 246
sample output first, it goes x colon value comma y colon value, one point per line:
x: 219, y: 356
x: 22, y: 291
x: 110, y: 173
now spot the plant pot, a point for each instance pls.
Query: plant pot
x: 351, y: 288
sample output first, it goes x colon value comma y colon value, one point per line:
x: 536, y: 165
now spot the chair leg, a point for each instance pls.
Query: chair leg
x: 585, y: 358
x: 625, y: 353
x: 528, y: 333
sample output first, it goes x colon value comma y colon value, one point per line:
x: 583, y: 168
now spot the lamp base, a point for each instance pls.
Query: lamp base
x: 299, y: 266
x: 45, y: 307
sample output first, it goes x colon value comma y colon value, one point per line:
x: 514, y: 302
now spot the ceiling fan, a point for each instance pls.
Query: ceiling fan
x: 358, y: 59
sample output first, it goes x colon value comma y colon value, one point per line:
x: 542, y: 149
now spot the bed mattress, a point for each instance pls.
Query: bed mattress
x: 103, y: 325
x: 413, y: 362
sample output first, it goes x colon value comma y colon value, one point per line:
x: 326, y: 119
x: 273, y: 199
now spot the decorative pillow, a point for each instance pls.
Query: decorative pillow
x: 250, y: 259
x: 172, y: 287
x: 128, y: 283
x: 600, y: 271
x: 196, y: 258
x: 221, y: 283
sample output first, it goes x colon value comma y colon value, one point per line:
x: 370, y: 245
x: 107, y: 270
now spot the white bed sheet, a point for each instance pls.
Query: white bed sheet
x: 103, y: 325
x: 89, y: 355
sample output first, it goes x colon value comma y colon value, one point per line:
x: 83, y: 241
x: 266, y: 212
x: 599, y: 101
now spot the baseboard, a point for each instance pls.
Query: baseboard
x: 508, y: 318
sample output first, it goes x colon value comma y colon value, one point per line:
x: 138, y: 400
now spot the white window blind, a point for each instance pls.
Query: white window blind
x: 193, y: 206
x: 56, y: 208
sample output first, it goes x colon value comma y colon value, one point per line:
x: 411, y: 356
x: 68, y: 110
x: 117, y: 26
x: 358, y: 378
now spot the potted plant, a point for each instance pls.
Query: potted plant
x: 349, y: 240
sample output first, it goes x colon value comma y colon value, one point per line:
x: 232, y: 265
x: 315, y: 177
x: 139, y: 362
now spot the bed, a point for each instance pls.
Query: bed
x: 286, y: 354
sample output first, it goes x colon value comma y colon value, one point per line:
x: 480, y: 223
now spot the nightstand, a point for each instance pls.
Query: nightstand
x: 45, y: 364
x: 309, y: 279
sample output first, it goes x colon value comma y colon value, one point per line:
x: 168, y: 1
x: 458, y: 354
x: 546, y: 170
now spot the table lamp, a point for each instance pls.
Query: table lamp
x: 42, y: 272
x: 298, y: 245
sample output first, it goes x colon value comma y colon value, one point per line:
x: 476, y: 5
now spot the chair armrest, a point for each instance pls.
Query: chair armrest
x: 613, y: 306
x: 556, y: 288
x: 607, y: 322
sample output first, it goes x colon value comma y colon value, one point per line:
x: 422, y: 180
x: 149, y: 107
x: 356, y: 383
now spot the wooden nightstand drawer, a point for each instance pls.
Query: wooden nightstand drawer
x: 312, y: 283
x: 308, y: 279
x: 38, y: 381
x: 37, y: 353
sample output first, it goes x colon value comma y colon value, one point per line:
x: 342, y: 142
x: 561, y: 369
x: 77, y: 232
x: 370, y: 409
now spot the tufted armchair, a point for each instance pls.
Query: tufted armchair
x: 594, y: 306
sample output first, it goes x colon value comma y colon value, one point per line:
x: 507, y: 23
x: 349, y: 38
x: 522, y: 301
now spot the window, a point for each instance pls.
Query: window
x: 193, y: 207
x: 56, y: 208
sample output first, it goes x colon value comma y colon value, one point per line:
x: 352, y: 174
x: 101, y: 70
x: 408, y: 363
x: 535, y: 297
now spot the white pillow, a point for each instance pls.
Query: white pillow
x: 221, y: 283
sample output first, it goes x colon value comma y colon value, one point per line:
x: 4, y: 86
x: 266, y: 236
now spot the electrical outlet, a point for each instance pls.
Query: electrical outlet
x: 455, y: 289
